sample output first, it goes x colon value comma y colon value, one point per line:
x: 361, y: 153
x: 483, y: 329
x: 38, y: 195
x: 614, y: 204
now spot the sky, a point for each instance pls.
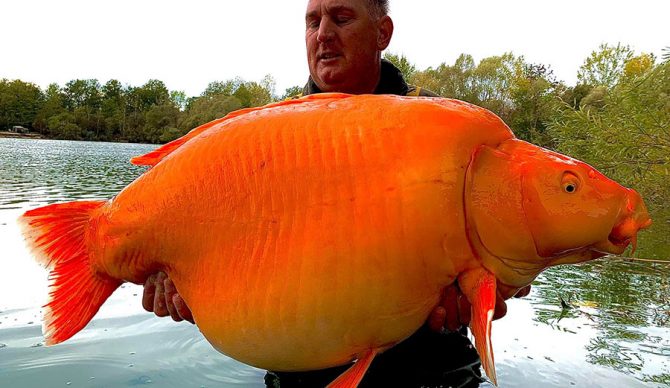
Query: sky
x: 189, y: 44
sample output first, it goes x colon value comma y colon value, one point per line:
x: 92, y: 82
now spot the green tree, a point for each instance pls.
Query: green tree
x: 179, y: 99
x: 53, y: 105
x: 248, y: 93
x: 628, y: 137
x: 160, y: 119
x: 456, y: 81
x: 402, y: 63
x: 492, y: 79
x: 83, y: 99
x: 154, y: 92
x: 639, y: 65
x: 534, y: 92
x: 605, y: 66
x: 261, y: 93
x: 573, y: 95
x: 152, y: 97
x: 113, y: 108
x: 63, y: 126
x: 226, y: 88
x: 206, y: 108
x: 82, y: 93
x: 19, y: 103
x: 291, y: 92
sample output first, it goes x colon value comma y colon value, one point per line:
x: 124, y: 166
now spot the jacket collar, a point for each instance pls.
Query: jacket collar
x: 390, y: 82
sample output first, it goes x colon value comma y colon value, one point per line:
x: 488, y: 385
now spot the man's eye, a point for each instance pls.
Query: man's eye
x: 312, y: 24
x: 342, y: 19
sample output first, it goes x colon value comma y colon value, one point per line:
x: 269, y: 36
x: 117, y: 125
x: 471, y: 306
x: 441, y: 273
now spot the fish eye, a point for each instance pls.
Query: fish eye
x: 570, y: 182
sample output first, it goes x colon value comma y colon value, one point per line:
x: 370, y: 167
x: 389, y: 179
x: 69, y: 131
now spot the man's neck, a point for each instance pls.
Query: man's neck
x: 369, y: 83
x: 389, y: 80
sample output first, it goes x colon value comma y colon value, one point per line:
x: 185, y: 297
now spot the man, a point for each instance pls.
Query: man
x: 345, y: 39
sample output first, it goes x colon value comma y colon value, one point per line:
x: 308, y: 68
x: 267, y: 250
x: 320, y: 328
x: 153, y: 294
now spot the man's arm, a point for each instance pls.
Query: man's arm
x: 161, y: 297
x: 453, y: 311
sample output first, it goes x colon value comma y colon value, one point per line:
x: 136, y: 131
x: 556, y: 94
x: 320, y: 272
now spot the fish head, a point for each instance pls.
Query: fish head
x: 529, y: 208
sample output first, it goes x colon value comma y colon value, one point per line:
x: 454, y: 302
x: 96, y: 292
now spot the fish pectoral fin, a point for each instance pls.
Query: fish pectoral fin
x: 353, y: 376
x: 479, y: 286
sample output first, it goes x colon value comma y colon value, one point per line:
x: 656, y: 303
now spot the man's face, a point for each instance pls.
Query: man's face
x: 344, y: 43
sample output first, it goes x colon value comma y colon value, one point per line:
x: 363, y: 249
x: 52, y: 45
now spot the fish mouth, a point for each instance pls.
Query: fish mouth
x: 624, y: 234
x: 613, y: 245
x: 620, y: 241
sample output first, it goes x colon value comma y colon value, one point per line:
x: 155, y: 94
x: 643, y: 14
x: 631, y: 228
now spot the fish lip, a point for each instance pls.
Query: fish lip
x: 613, y: 246
x: 619, y: 242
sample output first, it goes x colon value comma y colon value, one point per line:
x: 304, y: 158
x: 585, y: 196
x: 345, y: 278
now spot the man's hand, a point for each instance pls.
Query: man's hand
x: 161, y: 297
x: 454, y: 309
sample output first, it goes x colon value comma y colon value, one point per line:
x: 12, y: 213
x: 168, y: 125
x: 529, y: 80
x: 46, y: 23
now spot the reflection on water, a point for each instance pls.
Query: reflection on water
x: 48, y: 171
x: 628, y: 305
x: 605, y: 323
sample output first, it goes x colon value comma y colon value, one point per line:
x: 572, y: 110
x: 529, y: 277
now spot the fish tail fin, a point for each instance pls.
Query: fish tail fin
x: 479, y: 286
x: 56, y: 234
x: 353, y: 376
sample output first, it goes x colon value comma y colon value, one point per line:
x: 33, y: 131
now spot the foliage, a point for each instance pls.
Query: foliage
x: 291, y: 92
x: 402, y: 63
x: 627, y: 135
x: 223, y: 97
x: 524, y: 95
x: 83, y: 109
x: 533, y: 92
x: 605, y: 66
x: 19, y: 103
x: 639, y: 65
x: 207, y: 108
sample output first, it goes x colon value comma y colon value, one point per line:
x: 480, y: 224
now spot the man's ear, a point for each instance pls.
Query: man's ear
x: 385, y: 25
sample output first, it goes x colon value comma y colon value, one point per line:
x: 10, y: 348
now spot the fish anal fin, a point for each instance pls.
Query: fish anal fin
x: 152, y: 158
x: 479, y: 286
x: 353, y: 376
x: 56, y: 234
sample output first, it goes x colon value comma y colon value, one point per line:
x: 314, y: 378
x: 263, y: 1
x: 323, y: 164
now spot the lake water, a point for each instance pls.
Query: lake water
x: 615, y: 333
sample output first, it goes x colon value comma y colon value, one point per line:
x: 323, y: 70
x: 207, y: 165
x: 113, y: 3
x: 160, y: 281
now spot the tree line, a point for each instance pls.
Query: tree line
x: 84, y: 109
x: 617, y: 116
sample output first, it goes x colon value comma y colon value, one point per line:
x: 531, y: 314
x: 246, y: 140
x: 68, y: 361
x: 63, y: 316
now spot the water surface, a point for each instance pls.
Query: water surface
x: 599, y: 324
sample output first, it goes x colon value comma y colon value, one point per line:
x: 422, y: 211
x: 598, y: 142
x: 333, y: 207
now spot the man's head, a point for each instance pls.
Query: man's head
x: 344, y: 41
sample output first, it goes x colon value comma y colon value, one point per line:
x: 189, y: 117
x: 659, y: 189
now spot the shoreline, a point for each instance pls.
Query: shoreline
x: 14, y: 135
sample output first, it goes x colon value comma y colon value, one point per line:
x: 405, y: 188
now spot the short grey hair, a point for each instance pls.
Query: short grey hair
x: 378, y: 8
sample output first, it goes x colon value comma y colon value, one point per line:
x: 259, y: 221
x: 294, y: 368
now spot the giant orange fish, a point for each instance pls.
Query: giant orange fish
x: 314, y: 232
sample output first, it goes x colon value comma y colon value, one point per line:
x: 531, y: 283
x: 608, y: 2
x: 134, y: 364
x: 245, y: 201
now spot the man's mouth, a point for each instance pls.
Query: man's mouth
x: 328, y: 56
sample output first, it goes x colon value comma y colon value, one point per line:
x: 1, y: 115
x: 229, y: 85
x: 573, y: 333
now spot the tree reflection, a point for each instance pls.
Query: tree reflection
x: 625, y: 302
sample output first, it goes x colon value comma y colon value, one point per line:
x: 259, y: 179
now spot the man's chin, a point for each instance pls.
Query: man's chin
x: 330, y: 78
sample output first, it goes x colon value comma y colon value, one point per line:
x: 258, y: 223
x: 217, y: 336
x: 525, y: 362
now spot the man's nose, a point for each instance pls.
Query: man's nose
x: 326, y: 31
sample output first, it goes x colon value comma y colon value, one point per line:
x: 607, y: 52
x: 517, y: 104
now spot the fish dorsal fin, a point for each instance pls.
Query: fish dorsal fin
x: 152, y: 158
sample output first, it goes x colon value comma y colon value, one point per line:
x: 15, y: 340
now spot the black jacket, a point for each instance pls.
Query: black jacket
x: 390, y: 82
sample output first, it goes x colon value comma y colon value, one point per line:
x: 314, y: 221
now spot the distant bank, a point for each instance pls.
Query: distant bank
x: 7, y: 134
